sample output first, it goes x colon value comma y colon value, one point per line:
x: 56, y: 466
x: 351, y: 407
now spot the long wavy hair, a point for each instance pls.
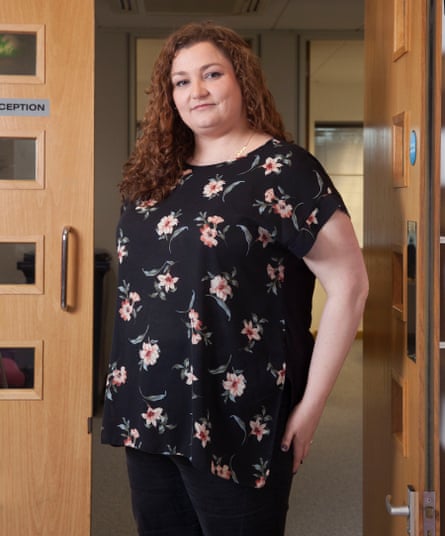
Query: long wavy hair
x: 166, y: 143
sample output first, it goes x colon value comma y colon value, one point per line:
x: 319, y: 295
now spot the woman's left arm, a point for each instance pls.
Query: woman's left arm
x: 337, y: 262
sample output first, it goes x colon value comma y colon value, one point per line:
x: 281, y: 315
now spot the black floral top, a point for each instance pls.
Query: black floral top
x: 214, y: 310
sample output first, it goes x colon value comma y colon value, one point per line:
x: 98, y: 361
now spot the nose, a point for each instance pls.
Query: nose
x: 198, y: 89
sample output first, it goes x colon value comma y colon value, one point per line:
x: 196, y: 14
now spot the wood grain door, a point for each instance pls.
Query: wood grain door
x: 46, y: 229
x: 401, y: 328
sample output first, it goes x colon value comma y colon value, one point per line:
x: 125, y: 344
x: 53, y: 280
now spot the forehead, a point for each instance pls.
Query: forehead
x: 197, y: 55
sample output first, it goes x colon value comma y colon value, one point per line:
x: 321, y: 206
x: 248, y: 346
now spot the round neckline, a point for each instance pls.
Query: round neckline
x: 235, y: 160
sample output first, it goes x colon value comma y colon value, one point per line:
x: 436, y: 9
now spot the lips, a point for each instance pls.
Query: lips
x: 202, y: 106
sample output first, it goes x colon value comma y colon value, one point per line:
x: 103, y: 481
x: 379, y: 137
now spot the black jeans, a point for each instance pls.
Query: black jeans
x: 172, y: 498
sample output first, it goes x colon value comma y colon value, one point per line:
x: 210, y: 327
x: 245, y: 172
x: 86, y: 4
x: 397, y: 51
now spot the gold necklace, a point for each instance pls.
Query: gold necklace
x: 241, y: 152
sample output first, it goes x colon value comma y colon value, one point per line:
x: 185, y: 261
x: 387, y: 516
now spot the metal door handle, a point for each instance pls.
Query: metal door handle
x: 64, y: 272
x: 396, y: 510
x: 409, y: 511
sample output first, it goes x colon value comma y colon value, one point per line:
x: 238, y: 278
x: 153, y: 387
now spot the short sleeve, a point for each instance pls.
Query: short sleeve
x: 297, y: 197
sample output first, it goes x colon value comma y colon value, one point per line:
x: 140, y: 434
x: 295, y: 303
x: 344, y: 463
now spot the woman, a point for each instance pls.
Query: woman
x: 215, y: 385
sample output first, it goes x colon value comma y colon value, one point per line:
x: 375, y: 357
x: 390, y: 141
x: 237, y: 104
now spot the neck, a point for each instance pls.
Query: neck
x: 224, y: 148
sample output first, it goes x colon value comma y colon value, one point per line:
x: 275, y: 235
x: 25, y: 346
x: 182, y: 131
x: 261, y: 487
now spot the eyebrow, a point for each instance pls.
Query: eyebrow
x: 202, y: 68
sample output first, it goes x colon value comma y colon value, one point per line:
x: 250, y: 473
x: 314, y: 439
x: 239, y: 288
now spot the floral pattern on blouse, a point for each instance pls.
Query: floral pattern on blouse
x: 204, y: 338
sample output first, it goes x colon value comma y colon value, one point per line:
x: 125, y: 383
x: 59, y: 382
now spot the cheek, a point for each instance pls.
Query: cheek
x: 175, y: 99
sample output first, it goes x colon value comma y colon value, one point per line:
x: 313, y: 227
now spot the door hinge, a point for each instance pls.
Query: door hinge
x: 90, y: 425
x: 429, y: 513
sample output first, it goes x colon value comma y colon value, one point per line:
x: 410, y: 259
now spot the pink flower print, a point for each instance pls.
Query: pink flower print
x: 122, y: 242
x: 202, y: 433
x: 194, y: 320
x: 312, y: 217
x: 222, y: 471
x: 118, y: 377
x: 274, y: 204
x: 269, y: 195
x: 196, y: 331
x: 253, y: 330
x: 190, y: 377
x: 186, y: 371
x: 258, y: 429
x: 220, y: 287
x: 146, y: 207
x: 121, y: 252
x: 126, y: 310
x: 134, y: 297
x: 272, y: 165
x: 208, y: 236
x: 271, y: 271
x: 130, y: 440
x: 262, y: 472
x: 167, y: 281
x: 283, y: 209
x: 167, y: 224
x: 215, y: 220
x: 152, y: 416
x: 264, y: 236
x: 196, y: 327
x: 213, y: 188
x: 276, y: 275
x: 281, y: 375
x: 253, y: 333
x: 134, y: 433
x: 260, y: 482
x: 149, y: 354
x: 208, y: 227
x: 234, y: 385
x: 130, y: 435
x: 129, y: 307
x: 148, y: 203
x: 196, y: 338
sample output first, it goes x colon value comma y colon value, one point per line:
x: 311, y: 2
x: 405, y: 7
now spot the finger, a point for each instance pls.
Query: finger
x: 298, y: 456
x: 298, y: 462
x: 300, y: 453
x: 286, y: 440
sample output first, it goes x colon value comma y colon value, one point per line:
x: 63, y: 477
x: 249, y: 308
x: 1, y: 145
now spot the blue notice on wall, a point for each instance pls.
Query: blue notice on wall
x: 29, y: 107
x: 413, y: 147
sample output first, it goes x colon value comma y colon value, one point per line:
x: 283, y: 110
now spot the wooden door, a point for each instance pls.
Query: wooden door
x: 46, y: 198
x: 401, y: 339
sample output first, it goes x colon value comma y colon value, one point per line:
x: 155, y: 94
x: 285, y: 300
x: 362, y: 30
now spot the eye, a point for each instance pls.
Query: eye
x: 180, y: 83
x: 213, y: 74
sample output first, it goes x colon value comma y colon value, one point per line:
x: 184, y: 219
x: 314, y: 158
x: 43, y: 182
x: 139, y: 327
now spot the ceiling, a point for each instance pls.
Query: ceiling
x: 239, y: 14
x: 331, y: 62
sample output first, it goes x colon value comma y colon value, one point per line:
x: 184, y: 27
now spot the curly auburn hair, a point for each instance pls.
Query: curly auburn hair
x: 161, y: 152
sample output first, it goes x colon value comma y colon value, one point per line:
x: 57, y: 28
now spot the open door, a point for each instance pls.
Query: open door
x: 401, y: 324
x: 46, y: 266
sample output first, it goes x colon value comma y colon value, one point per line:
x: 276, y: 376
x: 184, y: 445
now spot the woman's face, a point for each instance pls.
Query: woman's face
x: 206, y: 92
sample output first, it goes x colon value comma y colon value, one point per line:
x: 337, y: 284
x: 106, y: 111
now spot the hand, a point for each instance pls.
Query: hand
x: 299, y: 433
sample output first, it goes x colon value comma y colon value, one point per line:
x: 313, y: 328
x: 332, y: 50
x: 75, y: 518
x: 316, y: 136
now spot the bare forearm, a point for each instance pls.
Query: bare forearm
x: 337, y: 330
